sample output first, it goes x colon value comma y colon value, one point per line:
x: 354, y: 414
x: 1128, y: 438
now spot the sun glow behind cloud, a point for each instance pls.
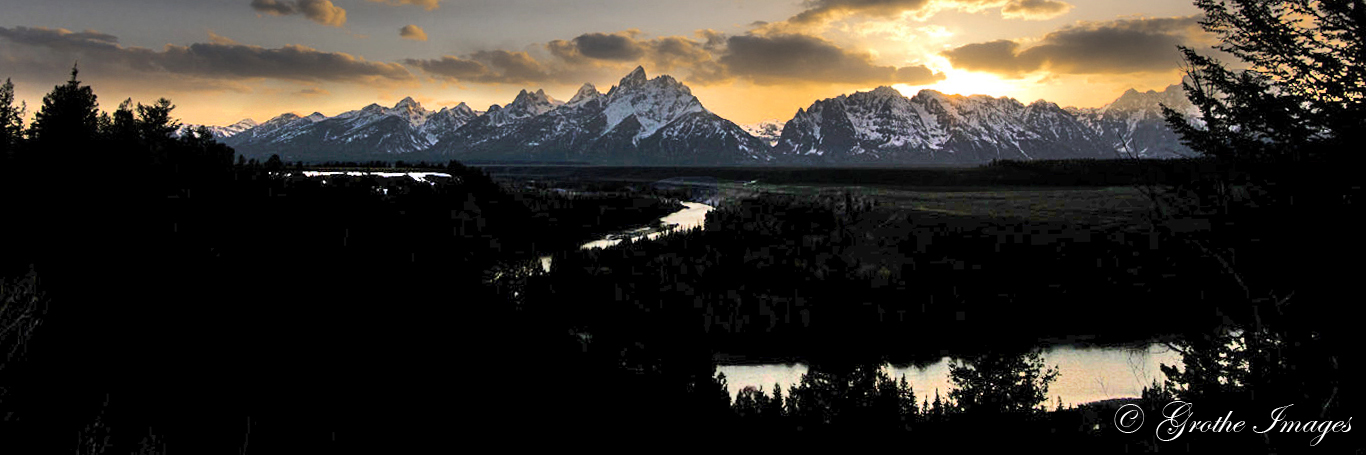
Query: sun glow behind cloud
x: 963, y: 82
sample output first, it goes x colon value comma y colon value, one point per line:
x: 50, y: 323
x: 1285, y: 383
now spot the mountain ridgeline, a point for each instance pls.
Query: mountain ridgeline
x: 643, y: 121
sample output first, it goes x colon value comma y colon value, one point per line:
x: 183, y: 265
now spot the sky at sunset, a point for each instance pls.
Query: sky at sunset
x: 221, y: 61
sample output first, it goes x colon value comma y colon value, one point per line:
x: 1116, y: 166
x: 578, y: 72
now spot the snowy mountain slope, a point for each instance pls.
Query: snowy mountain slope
x: 659, y: 122
x: 1136, y: 117
x: 884, y: 127
x: 768, y: 130
x: 221, y: 132
x: 369, y: 132
x: 638, y: 121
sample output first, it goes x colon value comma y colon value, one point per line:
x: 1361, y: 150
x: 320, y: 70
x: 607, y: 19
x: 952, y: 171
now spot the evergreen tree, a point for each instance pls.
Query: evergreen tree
x: 938, y: 411
x: 1302, y: 96
x: 1285, y: 125
x: 998, y: 383
x: 11, y: 120
x: 906, y: 398
x: 750, y: 402
x: 273, y: 164
x: 775, y: 405
x: 155, y: 123
x: 123, y: 125
x: 69, y: 116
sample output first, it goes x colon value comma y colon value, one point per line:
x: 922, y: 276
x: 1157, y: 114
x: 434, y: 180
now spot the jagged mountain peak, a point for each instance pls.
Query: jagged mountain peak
x: 884, y: 126
x: 641, y: 120
x: 1133, y: 100
x: 525, y: 98
x: 653, y: 103
x: 933, y: 94
x: 886, y: 91
x: 636, y: 77
x: 285, y: 117
x: 461, y: 108
x: 220, y: 132
x: 585, y: 94
x: 408, y: 102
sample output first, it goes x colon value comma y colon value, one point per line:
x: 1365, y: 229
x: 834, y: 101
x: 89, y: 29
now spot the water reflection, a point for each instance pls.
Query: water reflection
x: 419, y: 176
x: 693, y: 215
x: 1087, y: 374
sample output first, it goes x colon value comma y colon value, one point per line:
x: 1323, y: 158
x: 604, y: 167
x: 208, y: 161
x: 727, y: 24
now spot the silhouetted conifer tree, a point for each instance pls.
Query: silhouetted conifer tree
x: 1000, y: 383
x: 11, y: 121
x: 69, y: 115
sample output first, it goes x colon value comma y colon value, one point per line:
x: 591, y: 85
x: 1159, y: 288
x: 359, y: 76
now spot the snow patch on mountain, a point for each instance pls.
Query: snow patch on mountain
x: 220, y: 132
x: 767, y: 130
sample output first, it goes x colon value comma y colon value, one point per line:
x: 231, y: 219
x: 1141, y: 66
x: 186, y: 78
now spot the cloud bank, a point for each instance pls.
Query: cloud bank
x: 1113, y: 47
x: 220, y: 59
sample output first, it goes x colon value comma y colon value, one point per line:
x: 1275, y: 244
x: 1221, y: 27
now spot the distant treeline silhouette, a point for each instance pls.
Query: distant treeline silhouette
x: 176, y: 295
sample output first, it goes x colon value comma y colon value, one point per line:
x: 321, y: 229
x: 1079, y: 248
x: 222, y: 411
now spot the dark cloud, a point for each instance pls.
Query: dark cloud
x: 454, y: 68
x: 218, y: 60
x: 664, y: 53
x: 288, y: 62
x: 1000, y: 56
x: 425, y: 4
x: 713, y: 57
x: 602, y: 46
x: 778, y: 58
x: 412, y: 32
x: 1113, y: 47
x: 59, y: 39
x: 818, y: 13
x: 273, y: 7
x: 673, y: 51
x: 320, y: 11
x: 485, y: 67
x: 822, y: 10
x: 1035, y: 9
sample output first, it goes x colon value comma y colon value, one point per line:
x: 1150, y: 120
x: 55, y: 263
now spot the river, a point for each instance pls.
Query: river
x: 1087, y: 374
x: 693, y: 215
x: 419, y: 176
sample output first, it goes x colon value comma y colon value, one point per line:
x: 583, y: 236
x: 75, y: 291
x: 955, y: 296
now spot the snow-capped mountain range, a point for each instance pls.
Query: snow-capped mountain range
x: 1136, y: 118
x: 885, y: 127
x: 659, y: 122
x: 371, y: 132
x: 220, y: 132
x: 638, y: 121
